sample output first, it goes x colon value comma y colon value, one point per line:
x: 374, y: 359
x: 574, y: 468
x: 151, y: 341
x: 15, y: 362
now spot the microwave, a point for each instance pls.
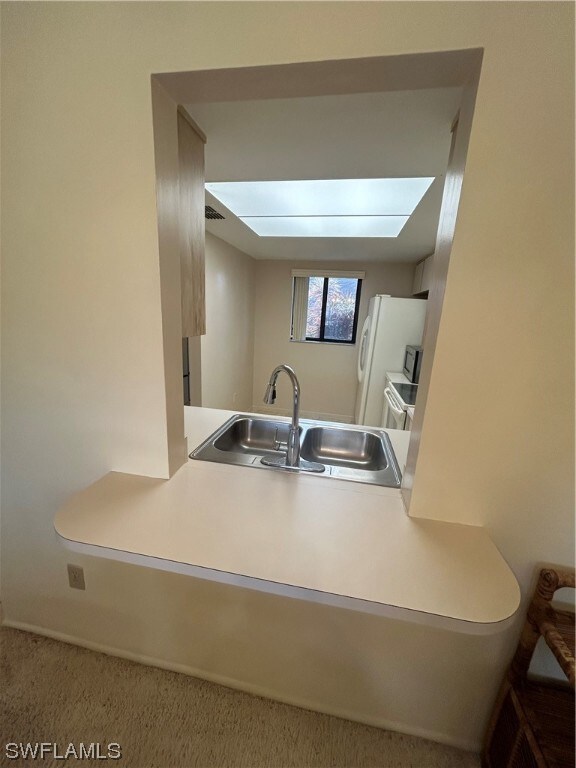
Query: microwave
x: 412, y: 363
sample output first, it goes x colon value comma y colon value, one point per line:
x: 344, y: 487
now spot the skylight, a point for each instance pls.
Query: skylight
x: 326, y: 226
x: 323, y: 208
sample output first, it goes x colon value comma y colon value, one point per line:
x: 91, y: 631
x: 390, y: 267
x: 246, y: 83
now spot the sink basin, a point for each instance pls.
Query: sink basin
x: 346, y: 453
x: 254, y: 436
x: 342, y: 447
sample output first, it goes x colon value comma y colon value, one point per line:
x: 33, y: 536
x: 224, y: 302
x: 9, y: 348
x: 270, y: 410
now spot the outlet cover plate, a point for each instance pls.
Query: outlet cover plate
x: 76, y: 576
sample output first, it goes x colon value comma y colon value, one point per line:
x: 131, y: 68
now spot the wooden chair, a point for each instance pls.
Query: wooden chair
x: 532, y: 725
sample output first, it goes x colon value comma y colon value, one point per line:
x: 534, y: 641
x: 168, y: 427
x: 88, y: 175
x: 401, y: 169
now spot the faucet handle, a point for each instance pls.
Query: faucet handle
x: 280, y: 445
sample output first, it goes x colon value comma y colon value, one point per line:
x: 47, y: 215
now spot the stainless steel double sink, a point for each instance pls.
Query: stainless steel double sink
x: 346, y: 453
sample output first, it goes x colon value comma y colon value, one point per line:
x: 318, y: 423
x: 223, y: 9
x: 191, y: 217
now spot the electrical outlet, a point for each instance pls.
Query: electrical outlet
x: 76, y: 576
x: 235, y: 398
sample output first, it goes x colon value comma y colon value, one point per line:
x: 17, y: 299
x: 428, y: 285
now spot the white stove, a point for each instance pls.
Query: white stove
x: 399, y: 396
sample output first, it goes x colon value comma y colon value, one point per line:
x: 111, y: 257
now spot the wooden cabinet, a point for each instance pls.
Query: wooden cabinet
x: 423, y: 276
x: 191, y: 142
x: 417, y: 282
x: 427, y: 274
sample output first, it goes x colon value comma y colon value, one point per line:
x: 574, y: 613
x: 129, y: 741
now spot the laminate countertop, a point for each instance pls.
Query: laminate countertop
x: 309, y: 537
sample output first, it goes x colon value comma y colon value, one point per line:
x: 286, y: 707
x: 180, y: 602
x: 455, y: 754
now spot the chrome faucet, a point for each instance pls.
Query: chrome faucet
x: 293, y: 445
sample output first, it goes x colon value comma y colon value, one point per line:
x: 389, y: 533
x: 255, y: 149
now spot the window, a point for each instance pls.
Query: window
x: 325, y: 306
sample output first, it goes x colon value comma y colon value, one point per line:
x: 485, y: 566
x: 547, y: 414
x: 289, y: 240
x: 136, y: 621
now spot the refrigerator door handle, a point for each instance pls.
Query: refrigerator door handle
x: 363, y: 348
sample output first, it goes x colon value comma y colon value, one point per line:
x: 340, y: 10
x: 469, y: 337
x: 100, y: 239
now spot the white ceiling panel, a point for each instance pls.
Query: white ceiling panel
x: 362, y: 136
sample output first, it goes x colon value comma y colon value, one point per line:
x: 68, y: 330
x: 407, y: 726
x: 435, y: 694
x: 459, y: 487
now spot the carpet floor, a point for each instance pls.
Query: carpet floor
x: 60, y: 694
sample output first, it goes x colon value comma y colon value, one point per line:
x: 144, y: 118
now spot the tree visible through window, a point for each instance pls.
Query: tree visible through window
x: 332, y: 309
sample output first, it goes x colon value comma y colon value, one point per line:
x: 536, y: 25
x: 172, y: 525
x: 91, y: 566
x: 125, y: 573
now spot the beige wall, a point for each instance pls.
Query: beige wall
x: 83, y: 389
x: 228, y: 346
x: 327, y: 372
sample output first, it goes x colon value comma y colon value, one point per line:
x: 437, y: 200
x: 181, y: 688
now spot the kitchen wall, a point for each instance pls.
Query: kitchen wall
x: 228, y: 346
x: 326, y: 372
x: 83, y: 390
x: 248, y: 304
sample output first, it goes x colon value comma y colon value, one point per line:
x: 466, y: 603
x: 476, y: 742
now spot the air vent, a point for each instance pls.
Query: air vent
x: 211, y: 213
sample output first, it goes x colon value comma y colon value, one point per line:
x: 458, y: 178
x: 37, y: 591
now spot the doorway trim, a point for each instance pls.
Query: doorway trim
x: 443, y: 69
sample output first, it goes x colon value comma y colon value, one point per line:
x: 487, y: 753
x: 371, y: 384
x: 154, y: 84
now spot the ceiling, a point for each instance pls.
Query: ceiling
x: 369, y: 135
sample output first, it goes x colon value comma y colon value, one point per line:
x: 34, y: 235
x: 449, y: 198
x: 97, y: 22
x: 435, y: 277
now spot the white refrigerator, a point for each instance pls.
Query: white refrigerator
x: 391, y: 324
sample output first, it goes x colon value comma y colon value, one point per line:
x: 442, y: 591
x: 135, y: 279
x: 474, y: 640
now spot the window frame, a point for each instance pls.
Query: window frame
x: 322, y: 339
x: 299, y: 304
